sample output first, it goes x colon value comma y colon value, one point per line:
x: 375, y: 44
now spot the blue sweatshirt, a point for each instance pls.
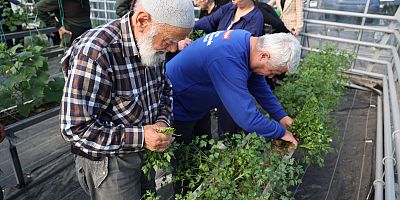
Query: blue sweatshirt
x: 214, y: 70
x: 222, y: 19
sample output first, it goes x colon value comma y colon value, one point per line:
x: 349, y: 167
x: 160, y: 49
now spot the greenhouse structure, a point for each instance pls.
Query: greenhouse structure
x: 344, y: 97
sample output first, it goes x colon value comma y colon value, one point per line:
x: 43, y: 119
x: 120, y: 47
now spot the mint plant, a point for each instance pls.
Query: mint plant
x: 240, y: 170
x: 310, y: 95
x: 196, y: 34
x: 252, y: 167
x: 159, y: 160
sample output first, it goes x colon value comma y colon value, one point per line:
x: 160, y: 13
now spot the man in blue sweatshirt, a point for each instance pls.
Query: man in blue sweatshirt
x: 228, y: 67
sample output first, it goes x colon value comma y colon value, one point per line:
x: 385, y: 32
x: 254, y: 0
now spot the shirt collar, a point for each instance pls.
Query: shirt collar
x: 129, y: 48
x: 248, y: 16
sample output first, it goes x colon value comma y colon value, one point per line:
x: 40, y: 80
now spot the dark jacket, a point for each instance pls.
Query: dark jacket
x: 222, y: 18
x: 76, y: 15
x: 271, y: 18
x: 122, y: 7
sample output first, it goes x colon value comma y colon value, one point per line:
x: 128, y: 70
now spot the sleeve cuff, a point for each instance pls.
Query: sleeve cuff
x: 278, y: 115
x: 133, y: 138
x: 282, y: 132
x: 164, y: 119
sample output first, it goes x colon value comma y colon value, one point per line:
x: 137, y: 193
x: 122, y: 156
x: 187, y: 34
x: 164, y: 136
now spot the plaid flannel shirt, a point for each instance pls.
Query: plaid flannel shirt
x: 109, y: 95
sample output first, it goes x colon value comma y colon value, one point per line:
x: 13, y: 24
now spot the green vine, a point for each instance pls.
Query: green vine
x: 26, y: 79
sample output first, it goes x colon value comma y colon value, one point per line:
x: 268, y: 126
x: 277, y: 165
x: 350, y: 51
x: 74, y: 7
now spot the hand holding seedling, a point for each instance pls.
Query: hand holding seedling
x: 154, y: 140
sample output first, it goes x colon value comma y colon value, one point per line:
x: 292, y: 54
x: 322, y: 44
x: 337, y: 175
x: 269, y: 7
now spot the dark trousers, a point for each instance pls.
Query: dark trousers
x: 116, y: 177
x: 226, y: 123
x: 187, y: 131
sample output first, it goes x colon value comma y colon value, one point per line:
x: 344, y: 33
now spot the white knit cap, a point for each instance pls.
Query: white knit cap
x: 178, y: 13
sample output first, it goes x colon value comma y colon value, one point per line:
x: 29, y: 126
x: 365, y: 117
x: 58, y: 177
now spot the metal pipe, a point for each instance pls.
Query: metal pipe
x: 388, y: 160
x: 358, y: 57
x: 358, y: 87
x: 105, y: 10
x: 378, y: 183
x: 370, y: 44
x: 351, y: 26
x: 396, y: 61
x: 361, y: 32
x: 371, y: 74
x: 19, y: 175
x: 351, y: 14
x: 395, y: 118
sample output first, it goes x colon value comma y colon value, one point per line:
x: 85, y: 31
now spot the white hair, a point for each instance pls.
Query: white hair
x: 284, y: 50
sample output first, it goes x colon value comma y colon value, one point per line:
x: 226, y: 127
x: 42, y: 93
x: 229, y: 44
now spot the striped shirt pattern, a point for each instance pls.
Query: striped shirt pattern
x: 109, y: 96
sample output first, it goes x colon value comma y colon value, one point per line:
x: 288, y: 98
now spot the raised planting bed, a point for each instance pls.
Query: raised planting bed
x: 252, y: 167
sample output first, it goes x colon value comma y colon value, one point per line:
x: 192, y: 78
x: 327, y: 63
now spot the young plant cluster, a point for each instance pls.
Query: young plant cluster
x: 196, y: 34
x: 239, y: 167
x: 310, y: 95
x: 12, y: 21
x: 159, y: 160
x: 26, y: 79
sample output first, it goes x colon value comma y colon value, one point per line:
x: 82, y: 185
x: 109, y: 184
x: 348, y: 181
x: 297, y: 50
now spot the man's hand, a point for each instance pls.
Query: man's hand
x: 2, y: 133
x: 155, y: 141
x: 62, y: 31
x: 286, y: 122
x: 288, y: 137
x: 184, y: 43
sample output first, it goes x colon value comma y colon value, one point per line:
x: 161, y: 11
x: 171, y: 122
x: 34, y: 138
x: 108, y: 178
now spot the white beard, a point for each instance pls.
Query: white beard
x: 148, y: 55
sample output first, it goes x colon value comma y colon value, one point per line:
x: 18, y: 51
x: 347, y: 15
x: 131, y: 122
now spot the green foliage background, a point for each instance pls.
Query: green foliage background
x: 26, y: 78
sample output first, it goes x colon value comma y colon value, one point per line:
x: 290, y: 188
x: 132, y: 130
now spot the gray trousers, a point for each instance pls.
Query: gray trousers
x: 116, y: 177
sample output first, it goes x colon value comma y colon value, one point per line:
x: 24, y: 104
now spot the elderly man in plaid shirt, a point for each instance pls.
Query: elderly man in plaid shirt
x: 117, y: 95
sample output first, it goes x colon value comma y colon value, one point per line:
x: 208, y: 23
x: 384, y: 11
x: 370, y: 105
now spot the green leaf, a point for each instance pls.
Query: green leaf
x: 25, y: 109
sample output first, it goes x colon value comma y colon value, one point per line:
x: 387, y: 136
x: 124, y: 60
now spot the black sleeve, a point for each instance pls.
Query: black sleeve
x: 122, y: 7
x: 45, y: 8
x: 271, y: 18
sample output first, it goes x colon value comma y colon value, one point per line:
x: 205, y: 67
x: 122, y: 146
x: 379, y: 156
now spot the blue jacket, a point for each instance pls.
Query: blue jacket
x: 222, y: 18
x: 214, y: 70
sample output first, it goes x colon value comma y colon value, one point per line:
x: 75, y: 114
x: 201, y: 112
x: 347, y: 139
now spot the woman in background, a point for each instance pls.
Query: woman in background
x: 291, y: 13
x: 239, y: 14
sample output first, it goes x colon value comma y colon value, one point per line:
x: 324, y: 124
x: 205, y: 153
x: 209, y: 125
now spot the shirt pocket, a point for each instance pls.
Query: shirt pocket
x: 127, y: 110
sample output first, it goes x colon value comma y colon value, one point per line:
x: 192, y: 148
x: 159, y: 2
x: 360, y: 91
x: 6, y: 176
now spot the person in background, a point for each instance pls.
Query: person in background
x: 230, y: 72
x: 206, y: 7
x: 117, y: 96
x: 239, y: 14
x: 72, y: 21
x: 272, y: 22
x: 291, y: 13
x: 122, y: 7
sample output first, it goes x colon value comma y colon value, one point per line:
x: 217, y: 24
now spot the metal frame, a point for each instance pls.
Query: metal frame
x: 11, y: 129
x: 95, y: 11
x: 388, y: 124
